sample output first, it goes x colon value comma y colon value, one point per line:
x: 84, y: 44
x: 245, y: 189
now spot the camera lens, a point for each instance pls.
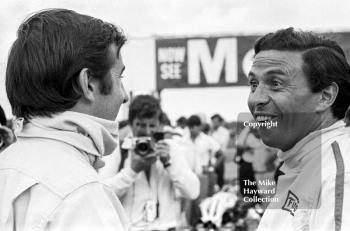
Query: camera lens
x: 143, y: 147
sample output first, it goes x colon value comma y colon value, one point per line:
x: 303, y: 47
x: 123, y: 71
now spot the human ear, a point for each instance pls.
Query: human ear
x: 327, y: 97
x: 87, y: 84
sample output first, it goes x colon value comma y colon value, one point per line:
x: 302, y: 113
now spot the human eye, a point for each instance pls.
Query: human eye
x: 253, y: 83
x: 276, y: 83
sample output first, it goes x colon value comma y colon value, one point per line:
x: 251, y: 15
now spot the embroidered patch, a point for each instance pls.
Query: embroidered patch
x: 291, y: 204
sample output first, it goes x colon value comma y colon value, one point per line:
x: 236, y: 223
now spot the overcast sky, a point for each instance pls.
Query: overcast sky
x: 146, y: 18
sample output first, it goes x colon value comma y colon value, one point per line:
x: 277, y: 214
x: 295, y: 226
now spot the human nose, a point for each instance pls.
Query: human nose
x: 148, y: 131
x: 259, y: 97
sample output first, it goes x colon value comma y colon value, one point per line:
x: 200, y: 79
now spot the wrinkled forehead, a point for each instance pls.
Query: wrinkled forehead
x: 285, y: 61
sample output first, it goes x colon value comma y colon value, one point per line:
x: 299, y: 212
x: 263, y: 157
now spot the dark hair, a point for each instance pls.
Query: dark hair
x: 164, y: 119
x: 144, y: 106
x: 324, y: 62
x: 194, y: 120
x: 51, y: 49
x: 3, y: 120
x: 217, y: 116
x: 206, y: 128
x: 181, y: 121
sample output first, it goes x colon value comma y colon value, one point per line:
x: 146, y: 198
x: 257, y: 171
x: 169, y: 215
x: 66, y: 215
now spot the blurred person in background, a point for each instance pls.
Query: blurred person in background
x: 219, y: 132
x: 181, y: 122
x: 257, y: 163
x: 63, y: 80
x: 207, y: 149
x: 181, y: 126
x: 154, y: 177
x: 301, y: 81
x: 209, y: 163
x: 236, y: 204
x: 206, y: 128
x: 187, y: 150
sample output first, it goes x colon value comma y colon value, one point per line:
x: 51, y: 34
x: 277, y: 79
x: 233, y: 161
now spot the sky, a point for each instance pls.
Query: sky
x: 142, y: 20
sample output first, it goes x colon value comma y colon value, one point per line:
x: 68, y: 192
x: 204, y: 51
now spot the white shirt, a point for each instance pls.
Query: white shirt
x: 205, y: 148
x: 188, y: 150
x: 222, y: 136
x: 314, y: 193
x: 48, y: 183
x: 168, y: 185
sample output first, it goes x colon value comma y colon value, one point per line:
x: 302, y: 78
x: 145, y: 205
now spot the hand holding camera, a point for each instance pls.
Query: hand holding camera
x: 143, y: 161
x: 162, y: 150
x: 147, y: 149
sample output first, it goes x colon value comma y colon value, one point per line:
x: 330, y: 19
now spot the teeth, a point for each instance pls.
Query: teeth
x: 263, y: 118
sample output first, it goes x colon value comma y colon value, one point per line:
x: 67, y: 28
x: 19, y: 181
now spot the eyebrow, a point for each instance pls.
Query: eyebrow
x: 270, y: 72
x: 251, y: 75
x: 275, y: 72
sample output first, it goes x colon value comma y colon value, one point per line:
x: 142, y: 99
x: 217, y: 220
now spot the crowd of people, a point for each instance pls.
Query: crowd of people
x: 67, y: 164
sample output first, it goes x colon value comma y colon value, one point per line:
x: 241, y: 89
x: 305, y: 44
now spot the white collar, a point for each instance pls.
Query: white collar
x: 310, y: 142
x: 93, y: 135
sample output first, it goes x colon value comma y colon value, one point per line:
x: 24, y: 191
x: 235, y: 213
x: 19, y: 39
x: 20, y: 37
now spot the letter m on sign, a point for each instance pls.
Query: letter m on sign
x: 224, y: 56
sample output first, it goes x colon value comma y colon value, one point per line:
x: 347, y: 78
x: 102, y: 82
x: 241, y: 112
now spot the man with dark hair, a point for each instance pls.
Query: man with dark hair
x: 181, y: 122
x: 155, y: 177
x: 181, y: 126
x: 64, y: 79
x: 218, y: 117
x: 207, y: 149
x: 301, y: 81
x: 219, y: 132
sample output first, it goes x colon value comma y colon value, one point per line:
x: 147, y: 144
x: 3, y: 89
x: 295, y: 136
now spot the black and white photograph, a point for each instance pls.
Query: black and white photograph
x: 174, y: 115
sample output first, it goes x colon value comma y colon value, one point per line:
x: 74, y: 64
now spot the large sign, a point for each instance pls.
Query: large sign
x: 203, y: 62
x: 211, y: 61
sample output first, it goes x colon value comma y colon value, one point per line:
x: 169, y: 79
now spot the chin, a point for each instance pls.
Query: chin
x: 270, y: 137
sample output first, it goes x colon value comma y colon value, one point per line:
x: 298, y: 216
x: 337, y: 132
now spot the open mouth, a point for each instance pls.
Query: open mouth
x: 265, y: 118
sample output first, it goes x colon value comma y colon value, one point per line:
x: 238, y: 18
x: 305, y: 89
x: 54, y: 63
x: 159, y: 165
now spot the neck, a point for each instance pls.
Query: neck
x: 328, y: 123
x: 323, y: 122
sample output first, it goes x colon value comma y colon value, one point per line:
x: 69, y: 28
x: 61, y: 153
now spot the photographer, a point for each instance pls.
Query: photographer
x: 153, y: 176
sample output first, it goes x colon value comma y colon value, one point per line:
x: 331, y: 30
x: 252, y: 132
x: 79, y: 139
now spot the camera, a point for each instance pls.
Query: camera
x: 145, y: 145
x: 157, y: 136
